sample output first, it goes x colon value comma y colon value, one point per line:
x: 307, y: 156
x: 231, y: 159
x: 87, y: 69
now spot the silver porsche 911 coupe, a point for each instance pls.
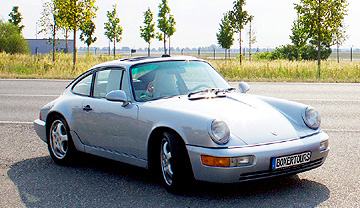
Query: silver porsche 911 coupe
x: 179, y: 117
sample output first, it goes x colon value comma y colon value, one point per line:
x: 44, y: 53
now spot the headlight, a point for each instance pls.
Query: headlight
x: 312, y: 118
x: 219, y: 132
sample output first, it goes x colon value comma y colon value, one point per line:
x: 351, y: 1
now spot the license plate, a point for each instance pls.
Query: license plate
x: 288, y: 161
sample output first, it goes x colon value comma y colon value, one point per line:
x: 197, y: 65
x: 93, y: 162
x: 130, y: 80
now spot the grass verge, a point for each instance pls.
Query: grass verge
x: 42, y: 67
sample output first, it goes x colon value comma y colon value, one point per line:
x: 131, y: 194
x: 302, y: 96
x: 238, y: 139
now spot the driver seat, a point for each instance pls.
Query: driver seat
x: 164, y: 84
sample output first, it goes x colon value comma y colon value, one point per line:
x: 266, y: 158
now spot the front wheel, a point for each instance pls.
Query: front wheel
x: 60, y: 144
x: 175, y: 163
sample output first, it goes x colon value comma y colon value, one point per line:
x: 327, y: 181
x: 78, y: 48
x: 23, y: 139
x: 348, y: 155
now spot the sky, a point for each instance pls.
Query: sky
x: 197, y: 21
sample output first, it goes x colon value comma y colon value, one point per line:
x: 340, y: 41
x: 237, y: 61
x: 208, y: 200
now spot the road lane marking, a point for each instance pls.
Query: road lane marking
x: 342, y: 130
x: 26, y: 95
x: 16, y: 122
x: 328, y: 100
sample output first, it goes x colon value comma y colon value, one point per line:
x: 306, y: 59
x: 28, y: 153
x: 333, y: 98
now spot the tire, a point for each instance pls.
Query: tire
x: 60, y: 145
x: 174, y: 163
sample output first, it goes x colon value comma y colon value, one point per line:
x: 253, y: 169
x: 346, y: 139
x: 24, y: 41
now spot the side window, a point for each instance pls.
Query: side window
x: 143, y: 79
x: 107, y: 81
x: 83, y: 86
x: 126, y: 86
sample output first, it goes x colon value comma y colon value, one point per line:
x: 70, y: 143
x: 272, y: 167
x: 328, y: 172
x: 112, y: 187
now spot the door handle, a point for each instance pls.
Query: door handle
x: 87, y: 108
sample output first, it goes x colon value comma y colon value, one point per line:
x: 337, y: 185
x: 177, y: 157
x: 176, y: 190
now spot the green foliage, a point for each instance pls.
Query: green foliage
x: 290, y: 52
x: 47, y: 19
x: 290, y: 71
x: 11, y: 40
x: 148, y: 31
x: 87, y: 32
x: 113, y: 27
x: 166, y: 23
x: 321, y: 20
x: 41, y: 66
x: 299, y: 37
x: 16, y: 18
x: 72, y: 14
x: 48, y: 25
x: 225, y: 36
x: 238, y: 19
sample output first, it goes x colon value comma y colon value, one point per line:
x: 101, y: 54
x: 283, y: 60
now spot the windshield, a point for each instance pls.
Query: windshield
x: 172, y: 78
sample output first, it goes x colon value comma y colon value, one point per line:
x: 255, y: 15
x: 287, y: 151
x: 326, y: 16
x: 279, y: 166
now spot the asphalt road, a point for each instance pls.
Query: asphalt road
x: 29, y: 178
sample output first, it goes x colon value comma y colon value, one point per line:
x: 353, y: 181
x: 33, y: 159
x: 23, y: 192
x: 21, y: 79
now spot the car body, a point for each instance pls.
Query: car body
x: 177, y: 115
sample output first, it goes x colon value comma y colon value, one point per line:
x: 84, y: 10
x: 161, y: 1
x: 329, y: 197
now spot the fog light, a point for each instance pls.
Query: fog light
x: 324, y: 145
x: 227, y: 161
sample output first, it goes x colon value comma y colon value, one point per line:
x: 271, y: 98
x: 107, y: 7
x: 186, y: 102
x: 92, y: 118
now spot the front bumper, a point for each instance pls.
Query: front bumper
x: 40, y: 128
x: 261, y: 168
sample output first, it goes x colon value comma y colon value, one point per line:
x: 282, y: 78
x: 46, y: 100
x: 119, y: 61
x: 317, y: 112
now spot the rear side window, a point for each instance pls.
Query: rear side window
x: 107, y: 81
x: 83, y: 87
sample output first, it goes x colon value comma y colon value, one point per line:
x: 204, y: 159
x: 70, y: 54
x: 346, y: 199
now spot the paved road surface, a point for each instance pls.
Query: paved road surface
x: 29, y: 178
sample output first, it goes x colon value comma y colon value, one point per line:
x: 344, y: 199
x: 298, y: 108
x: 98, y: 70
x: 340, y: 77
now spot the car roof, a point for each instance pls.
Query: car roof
x: 128, y: 62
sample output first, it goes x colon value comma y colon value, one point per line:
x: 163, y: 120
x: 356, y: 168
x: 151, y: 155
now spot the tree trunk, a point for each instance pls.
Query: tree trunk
x: 240, y: 46
x: 169, y: 47
x: 319, y: 40
x: 75, y: 51
x: 109, y: 47
x: 114, y: 48
x: 337, y: 51
x: 149, y: 50
x: 164, y: 43
x: 54, y: 37
x: 319, y: 57
x: 250, y: 42
x: 66, y: 41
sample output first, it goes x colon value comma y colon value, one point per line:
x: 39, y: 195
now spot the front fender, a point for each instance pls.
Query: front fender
x: 291, y: 110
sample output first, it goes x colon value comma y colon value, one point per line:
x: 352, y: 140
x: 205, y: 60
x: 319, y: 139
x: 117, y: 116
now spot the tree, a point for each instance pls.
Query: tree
x: 148, y: 31
x: 339, y: 38
x: 113, y: 27
x: 252, y: 37
x: 299, y: 36
x: 87, y: 32
x: 16, y: 18
x: 11, y: 41
x: 171, y: 30
x: 166, y: 23
x: 321, y: 20
x: 48, y: 24
x: 238, y: 18
x: 72, y: 14
x: 225, y: 36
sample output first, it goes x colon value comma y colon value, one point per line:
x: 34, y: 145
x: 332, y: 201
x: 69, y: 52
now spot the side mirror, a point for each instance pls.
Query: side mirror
x: 118, y: 96
x: 243, y: 87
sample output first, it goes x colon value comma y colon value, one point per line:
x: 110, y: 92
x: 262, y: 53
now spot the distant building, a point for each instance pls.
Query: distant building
x: 42, y: 46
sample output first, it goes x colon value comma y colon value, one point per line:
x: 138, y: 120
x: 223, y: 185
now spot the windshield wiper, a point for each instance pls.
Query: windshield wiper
x: 217, y: 92
x: 225, y: 90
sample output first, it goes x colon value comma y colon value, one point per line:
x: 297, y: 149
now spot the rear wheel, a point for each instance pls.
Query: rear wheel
x: 60, y: 144
x: 175, y: 163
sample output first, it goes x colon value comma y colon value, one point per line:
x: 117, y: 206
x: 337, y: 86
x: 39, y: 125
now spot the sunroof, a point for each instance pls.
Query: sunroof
x: 137, y: 58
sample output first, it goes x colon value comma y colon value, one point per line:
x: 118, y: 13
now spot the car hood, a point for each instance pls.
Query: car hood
x: 249, y: 119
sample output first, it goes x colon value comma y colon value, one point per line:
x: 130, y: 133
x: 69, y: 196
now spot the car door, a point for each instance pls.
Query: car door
x: 110, y: 125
